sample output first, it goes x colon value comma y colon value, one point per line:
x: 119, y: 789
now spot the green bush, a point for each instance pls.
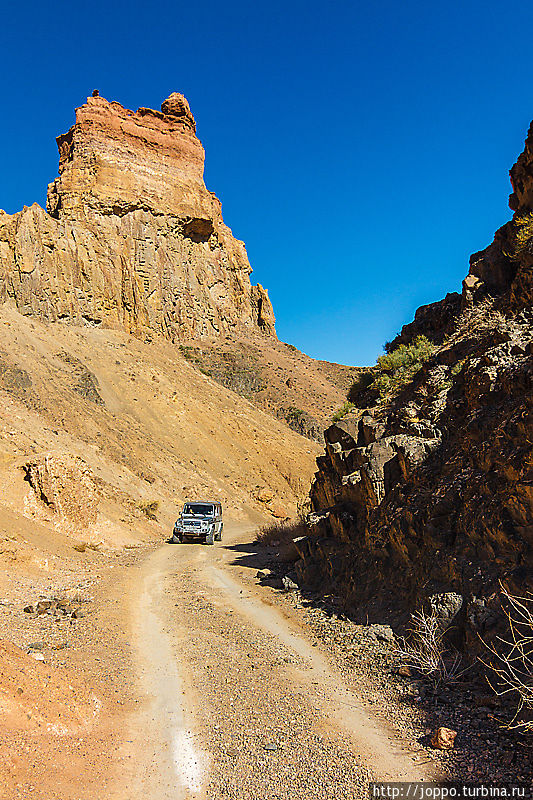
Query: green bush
x: 521, y: 239
x: 190, y: 353
x: 393, y: 371
x: 397, y: 368
x: 346, y: 408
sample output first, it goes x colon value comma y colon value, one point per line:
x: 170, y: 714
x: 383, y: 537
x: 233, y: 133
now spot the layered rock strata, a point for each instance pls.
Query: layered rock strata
x: 428, y: 493
x: 131, y: 237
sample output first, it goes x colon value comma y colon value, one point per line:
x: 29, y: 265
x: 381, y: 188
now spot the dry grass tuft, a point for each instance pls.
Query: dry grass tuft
x: 481, y: 318
x: 425, y: 651
x: 511, y: 660
x: 150, y: 509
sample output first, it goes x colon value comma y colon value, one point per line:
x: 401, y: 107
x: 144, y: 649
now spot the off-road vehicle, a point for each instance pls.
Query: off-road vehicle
x: 199, y: 521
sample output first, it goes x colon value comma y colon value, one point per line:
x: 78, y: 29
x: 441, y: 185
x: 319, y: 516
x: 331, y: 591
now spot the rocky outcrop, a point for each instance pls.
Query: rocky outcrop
x: 428, y: 493
x: 131, y: 237
x: 66, y: 485
x: 505, y: 268
x: 435, y: 320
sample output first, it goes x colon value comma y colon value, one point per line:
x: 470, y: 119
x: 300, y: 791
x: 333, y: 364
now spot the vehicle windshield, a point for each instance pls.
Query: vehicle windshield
x: 199, y: 509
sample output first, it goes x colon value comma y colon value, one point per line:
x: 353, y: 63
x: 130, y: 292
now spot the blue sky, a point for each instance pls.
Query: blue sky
x: 360, y: 149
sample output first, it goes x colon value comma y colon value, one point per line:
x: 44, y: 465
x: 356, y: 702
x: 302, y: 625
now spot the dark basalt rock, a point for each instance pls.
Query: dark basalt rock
x: 428, y: 494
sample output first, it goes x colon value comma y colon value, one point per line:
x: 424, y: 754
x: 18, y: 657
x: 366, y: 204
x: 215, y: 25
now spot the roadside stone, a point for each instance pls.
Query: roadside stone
x: 289, y: 585
x: 36, y: 655
x: 382, y: 633
x: 445, y: 606
x: 263, y: 573
x: 443, y: 739
x: 29, y: 609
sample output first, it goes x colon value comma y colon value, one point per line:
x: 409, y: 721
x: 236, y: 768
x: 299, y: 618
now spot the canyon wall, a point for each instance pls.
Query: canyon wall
x: 426, y: 491
x: 131, y: 238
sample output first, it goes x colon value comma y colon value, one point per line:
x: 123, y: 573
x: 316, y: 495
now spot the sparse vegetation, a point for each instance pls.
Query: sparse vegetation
x: 457, y: 367
x: 83, y: 546
x: 191, y: 354
x: 425, y: 652
x: 294, y: 415
x: 521, y: 239
x: 393, y: 370
x: 479, y: 319
x: 511, y: 659
x: 345, y: 409
x: 150, y: 509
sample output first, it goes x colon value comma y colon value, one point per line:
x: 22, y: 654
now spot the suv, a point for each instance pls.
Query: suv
x: 201, y: 521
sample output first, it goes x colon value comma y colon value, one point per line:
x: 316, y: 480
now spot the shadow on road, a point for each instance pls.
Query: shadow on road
x: 279, y: 574
x: 484, y: 751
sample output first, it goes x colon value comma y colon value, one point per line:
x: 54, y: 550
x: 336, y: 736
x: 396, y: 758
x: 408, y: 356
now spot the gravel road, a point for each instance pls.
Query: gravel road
x: 187, y: 680
x: 239, y: 702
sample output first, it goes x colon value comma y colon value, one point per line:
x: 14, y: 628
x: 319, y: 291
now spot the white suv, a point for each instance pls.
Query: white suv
x: 199, y: 521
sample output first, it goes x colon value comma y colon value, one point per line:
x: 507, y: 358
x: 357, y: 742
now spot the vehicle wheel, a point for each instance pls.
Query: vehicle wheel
x: 210, y: 538
x: 219, y: 534
x: 177, y: 538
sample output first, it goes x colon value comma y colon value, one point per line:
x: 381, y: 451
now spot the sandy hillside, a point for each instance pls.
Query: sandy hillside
x: 122, y: 424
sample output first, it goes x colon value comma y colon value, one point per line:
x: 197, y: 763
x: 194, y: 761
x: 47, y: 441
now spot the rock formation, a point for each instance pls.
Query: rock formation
x: 65, y: 484
x: 428, y: 491
x: 132, y: 238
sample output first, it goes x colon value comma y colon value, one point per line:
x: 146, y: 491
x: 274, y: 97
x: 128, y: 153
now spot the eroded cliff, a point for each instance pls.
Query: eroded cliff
x: 132, y: 238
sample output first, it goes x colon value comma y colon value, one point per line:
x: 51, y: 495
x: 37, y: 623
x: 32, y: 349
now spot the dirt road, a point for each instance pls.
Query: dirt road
x: 236, y: 700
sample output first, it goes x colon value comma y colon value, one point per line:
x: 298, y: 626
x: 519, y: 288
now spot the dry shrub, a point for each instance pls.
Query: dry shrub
x: 83, y: 546
x: 282, y: 534
x: 425, y: 651
x: 150, y: 509
x: 480, y: 319
x: 511, y: 659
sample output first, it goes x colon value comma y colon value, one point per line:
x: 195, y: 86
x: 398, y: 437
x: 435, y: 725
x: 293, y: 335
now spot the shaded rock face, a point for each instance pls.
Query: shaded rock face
x: 506, y: 266
x: 428, y: 494
x: 132, y: 238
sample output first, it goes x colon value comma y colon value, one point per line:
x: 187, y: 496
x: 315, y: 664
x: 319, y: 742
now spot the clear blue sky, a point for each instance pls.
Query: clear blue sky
x: 360, y: 149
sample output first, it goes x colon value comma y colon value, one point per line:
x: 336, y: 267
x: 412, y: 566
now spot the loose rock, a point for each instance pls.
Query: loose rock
x: 443, y: 739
